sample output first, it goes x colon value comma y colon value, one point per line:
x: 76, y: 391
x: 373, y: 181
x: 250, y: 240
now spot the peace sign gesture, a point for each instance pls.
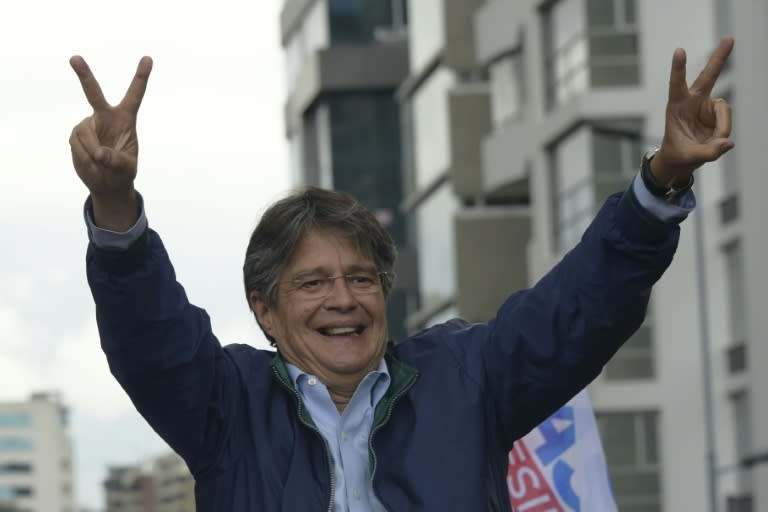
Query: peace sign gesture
x: 105, y: 147
x: 697, y: 126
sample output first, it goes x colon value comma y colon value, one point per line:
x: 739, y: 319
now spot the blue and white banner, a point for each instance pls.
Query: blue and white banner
x: 560, y: 466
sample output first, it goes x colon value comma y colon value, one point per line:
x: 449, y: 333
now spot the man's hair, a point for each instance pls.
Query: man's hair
x: 283, y: 225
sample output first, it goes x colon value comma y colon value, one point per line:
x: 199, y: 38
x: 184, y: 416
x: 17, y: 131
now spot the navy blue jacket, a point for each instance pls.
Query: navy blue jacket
x: 460, y: 396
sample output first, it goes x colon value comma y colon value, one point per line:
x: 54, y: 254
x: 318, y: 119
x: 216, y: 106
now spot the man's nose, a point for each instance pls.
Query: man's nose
x: 340, y: 294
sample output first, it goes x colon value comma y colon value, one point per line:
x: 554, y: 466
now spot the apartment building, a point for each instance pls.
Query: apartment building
x: 36, y: 472
x: 159, y: 484
x: 517, y: 119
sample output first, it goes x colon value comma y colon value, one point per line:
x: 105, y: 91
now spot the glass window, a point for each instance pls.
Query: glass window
x: 566, y: 51
x: 430, y: 128
x: 436, y: 253
x: 316, y: 145
x: 507, y: 83
x: 14, y: 419
x: 13, y: 468
x: 573, y: 191
x: 589, y: 43
x: 630, y: 440
x: 9, y: 492
x: 729, y: 162
x: 613, y: 43
x: 11, y: 444
x: 734, y: 274
x: 365, y: 144
x: 616, y: 153
x: 587, y: 166
x: 359, y: 21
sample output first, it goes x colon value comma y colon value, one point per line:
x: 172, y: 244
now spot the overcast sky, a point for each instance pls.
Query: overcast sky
x: 212, y: 157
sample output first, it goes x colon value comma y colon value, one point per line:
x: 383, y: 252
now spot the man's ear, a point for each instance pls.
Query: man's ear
x: 263, y: 313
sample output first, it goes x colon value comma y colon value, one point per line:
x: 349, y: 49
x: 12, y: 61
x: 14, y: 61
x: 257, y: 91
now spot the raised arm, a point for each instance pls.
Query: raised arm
x: 105, y: 147
x: 549, y: 342
x: 159, y: 347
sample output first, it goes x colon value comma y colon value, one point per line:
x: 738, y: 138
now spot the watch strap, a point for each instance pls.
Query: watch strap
x: 669, y: 194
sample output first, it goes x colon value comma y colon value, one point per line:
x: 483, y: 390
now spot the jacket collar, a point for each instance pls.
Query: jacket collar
x: 402, y: 378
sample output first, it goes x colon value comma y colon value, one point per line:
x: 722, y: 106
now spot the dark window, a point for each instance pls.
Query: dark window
x: 630, y: 440
x: 357, y: 21
x: 15, y: 468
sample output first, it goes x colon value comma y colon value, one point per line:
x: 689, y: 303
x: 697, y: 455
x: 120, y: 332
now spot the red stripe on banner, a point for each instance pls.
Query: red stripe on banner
x: 529, y: 490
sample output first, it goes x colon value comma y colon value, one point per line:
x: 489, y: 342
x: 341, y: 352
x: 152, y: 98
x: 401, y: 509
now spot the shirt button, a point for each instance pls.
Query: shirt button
x: 312, y: 381
x: 344, y: 436
x: 357, y: 494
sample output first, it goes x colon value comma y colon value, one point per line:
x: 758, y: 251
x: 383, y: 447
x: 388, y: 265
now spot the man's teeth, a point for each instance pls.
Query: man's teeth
x: 340, y: 331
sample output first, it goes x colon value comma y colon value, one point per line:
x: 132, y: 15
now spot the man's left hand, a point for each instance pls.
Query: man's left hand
x: 697, y: 126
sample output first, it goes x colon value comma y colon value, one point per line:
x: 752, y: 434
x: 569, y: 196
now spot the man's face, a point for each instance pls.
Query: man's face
x: 339, y: 335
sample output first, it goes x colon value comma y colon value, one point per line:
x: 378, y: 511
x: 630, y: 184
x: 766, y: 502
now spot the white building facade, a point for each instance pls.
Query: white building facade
x: 36, y: 456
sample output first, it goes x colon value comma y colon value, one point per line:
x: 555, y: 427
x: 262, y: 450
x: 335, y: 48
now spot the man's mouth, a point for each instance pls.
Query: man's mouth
x: 349, y: 330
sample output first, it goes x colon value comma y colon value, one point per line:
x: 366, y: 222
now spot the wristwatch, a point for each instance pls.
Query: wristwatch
x: 669, y: 194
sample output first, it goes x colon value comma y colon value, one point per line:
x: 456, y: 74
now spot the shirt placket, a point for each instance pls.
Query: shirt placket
x: 351, y: 446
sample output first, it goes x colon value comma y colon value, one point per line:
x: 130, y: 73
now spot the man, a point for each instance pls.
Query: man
x: 339, y: 419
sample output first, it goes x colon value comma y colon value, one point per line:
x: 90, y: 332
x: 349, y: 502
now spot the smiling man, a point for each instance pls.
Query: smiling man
x: 339, y: 418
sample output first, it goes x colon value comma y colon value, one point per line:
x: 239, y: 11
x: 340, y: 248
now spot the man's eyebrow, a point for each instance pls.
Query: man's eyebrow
x: 317, y: 271
x: 323, y: 271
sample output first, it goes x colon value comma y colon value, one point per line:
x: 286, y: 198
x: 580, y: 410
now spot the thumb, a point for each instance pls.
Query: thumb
x: 712, y: 150
x: 721, y: 147
x: 116, y: 160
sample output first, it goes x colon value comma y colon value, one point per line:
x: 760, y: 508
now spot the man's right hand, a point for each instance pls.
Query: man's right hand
x: 105, y: 147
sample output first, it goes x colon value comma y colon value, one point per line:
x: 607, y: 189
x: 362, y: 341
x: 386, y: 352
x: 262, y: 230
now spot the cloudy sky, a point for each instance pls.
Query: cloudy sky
x: 212, y: 158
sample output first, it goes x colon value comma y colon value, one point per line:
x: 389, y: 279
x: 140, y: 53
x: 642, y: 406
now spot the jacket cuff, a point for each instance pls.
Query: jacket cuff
x: 113, y: 240
x: 637, y: 223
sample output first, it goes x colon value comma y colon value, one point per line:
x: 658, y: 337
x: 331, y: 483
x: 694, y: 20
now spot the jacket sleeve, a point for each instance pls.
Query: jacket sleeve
x: 549, y: 342
x: 161, y: 349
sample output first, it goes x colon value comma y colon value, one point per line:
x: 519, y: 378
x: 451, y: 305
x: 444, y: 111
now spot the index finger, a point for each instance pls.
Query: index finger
x: 90, y: 86
x: 135, y: 92
x: 707, y: 78
x: 678, y: 87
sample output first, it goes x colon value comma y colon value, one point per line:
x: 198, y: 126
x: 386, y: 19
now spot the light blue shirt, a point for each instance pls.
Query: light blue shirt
x: 346, y: 435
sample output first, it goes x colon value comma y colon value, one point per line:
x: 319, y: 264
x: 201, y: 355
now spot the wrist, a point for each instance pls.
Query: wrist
x: 665, y: 174
x: 663, y: 183
x: 115, y: 212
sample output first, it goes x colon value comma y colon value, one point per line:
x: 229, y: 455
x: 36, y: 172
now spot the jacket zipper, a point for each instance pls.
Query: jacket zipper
x: 316, y: 431
x: 378, y: 427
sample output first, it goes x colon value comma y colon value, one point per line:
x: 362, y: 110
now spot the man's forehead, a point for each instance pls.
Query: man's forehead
x: 321, y: 249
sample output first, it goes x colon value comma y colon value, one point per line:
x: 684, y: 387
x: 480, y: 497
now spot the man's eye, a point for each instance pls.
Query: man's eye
x: 361, y: 279
x: 308, y: 285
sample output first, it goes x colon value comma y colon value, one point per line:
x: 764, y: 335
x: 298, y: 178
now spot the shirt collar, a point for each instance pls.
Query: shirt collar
x: 378, y: 380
